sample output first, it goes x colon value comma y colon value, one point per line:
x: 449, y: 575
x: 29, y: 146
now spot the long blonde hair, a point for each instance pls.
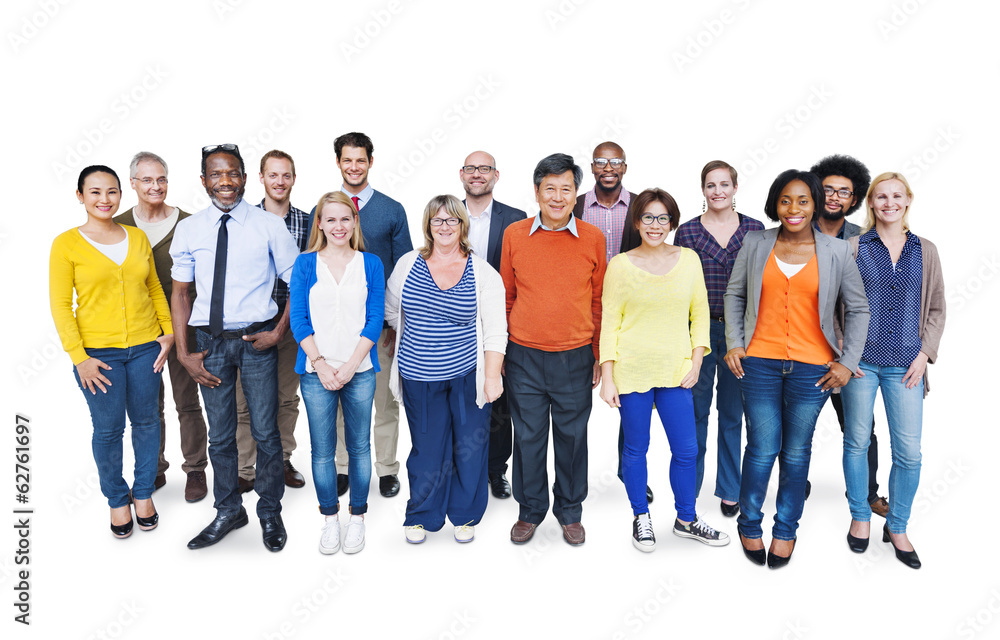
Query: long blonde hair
x: 870, y: 212
x: 453, y: 207
x: 317, y: 239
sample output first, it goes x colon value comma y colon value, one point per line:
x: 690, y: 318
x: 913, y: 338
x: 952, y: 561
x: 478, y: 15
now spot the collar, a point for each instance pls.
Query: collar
x: 292, y: 209
x: 237, y: 213
x: 872, y: 236
x: 487, y: 212
x: 590, y: 198
x: 570, y: 226
x: 365, y: 195
x: 840, y: 234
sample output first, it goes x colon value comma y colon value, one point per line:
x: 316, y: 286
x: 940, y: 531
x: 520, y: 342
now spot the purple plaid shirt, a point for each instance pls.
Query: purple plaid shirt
x: 611, y: 221
x: 716, y: 262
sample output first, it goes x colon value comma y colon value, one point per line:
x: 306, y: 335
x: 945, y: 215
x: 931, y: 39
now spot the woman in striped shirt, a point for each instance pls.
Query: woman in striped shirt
x: 447, y: 307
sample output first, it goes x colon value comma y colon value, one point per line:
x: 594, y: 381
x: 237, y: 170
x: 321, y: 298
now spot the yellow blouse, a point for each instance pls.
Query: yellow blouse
x: 652, y: 323
x: 117, y: 306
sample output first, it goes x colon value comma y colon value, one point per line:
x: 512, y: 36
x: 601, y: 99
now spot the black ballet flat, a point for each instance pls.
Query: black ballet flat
x: 774, y: 561
x: 909, y: 558
x: 756, y: 556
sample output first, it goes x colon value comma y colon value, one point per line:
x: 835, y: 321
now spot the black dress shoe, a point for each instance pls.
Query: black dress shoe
x: 388, y: 486
x: 774, y: 561
x: 909, y: 558
x: 730, y: 510
x: 218, y: 529
x: 499, y: 486
x: 293, y: 478
x: 809, y: 489
x: 756, y: 556
x: 274, y: 533
x: 857, y: 545
x: 343, y: 483
x: 245, y: 486
x: 649, y: 494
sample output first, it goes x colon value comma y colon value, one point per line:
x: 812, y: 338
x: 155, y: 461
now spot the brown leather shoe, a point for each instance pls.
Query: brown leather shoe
x: 245, y: 486
x: 293, y: 478
x: 880, y: 507
x: 159, y: 481
x: 196, y: 487
x: 574, y: 534
x: 522, y: 531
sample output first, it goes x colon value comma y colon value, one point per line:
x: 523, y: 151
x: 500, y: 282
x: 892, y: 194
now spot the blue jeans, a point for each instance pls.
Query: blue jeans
x: 782, y: 402
x: 729, y: 406
x: 134, y: 390
x: 258, y: 371
x: 676, y: 410
x: 904, y: 411
x: 356, y: 397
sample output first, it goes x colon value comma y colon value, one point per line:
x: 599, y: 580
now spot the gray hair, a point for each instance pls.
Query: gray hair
x: 142, y: 156
x: 557, y: 164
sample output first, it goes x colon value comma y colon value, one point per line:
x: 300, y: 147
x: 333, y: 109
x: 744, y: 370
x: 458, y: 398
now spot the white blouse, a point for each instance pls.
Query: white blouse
x: 337, y: 312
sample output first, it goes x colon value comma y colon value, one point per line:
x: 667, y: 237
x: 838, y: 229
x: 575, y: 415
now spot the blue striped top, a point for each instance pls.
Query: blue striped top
x: 439, y: 327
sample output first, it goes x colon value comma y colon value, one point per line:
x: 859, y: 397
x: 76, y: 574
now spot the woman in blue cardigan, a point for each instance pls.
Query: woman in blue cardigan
x: 337, y: 297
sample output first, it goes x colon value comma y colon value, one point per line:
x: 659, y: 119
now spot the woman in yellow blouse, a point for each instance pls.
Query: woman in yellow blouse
x: 118, y: 337
x: 654, y: 334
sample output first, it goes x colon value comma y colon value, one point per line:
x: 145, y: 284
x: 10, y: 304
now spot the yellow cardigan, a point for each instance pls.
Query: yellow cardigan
x: 116, y: 306
x: 651, y: 324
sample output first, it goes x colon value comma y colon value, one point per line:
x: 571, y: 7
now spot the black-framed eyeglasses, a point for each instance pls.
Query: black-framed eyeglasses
x: 209, y: 150
x: 647, y: 219
x: 616, y: 163
x: 483, y: 168
x: 843, y: 193
x: 451, y: 222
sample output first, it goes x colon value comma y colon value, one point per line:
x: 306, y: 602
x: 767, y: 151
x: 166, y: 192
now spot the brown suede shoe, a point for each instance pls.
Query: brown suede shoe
x: 880, y: 507
x: 196, y: 487
x: 574, y: 534
x: 522, y: 531
x: 159, y: 481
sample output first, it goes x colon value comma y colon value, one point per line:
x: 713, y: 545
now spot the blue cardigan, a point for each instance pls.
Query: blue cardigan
x: 303, y: 279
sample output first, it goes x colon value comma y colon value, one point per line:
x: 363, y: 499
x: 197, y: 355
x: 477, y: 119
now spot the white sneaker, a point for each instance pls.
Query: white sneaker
x: 702, y: 532
x: 329, y: 541
x: 642, y: 533
x: 415, y: 534
x: 355, y: 536
x: 465, y: 533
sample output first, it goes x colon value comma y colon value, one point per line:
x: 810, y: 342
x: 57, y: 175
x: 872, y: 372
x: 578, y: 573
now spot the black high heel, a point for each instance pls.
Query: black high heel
x: 122, y: 531
x: 756, y: 556
x: 857, y: 545
x: 774, y: 561
x: 147, y: 524
x: 909, y: 558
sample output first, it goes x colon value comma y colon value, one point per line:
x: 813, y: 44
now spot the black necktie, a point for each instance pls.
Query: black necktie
x: 219, y: 281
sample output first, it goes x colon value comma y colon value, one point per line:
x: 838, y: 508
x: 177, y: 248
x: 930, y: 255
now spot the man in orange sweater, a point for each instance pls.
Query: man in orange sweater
x: 553, y: 268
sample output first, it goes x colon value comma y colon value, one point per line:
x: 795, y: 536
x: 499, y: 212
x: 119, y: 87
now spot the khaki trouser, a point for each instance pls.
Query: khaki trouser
x: 194, y: 433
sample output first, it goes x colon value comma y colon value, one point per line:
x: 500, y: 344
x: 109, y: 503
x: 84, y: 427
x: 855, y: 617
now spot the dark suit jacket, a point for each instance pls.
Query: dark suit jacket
x: 501, y: 218
x: 630, y: 235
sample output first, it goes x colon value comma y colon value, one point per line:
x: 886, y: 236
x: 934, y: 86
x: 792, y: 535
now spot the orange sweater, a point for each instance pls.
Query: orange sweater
x: 554, y: 282
x: 788, y: 326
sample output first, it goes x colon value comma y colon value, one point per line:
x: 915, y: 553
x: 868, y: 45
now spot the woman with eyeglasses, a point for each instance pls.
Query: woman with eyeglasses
x: 780, y: 306
x: 902, y: 278
x: 118, y: 334
x: 448, y: 309
x: 654, y: 336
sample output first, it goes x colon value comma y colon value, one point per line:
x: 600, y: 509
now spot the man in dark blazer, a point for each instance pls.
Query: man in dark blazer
x: 487, y: 221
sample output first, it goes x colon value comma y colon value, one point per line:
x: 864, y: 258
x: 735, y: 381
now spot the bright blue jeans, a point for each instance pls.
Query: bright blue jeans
x: 782, y: 402
x: 356, y: 397
x: 904, y: 411
x: 258, y: 374
x: 135, y: 390
x: 676, y: 411
x: 729, y: 407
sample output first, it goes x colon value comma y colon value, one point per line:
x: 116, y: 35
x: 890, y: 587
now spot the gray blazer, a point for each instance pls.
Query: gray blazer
x: 838, y: 278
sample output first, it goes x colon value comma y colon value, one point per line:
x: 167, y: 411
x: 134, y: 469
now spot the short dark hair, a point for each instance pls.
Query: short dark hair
x: 849, y: 167
x: 95, y: 168
x: 354, y: 139
x: 275, y: 153
x: 557, y: 164
x: 813, y: 182
x: 648, y: 196
x: 235, y: 152
x: 717, y: 164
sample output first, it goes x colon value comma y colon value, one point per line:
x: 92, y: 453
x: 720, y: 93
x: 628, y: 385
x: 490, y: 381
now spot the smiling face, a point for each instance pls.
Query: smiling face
x: 608, y: 178
x: 101, y: 195
x: 354, y: 165
x: 889, y: 201
x: 479, y: 184
x: 795, y: 206
x: 719, y: 190
x: 445, y: 236
x: 337, y: 222
x: 654, y: 234
x: 836, y: 207
x: 556, y: 196
x: 278, y: 179
x: 150, y: 183
x: 223, y: 180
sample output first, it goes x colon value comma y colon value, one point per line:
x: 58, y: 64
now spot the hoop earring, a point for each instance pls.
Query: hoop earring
x: 704, y: 206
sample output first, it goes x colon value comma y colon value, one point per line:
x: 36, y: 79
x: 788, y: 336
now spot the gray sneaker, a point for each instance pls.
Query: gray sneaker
x: 700, y: 530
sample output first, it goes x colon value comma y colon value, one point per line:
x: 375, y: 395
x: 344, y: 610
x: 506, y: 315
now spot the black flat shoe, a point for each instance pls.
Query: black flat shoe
x: 909, y: 558
x: 218, y: 528
x: 274, y: 533
x: 730, y: 510
x: 774, y: 561
x: 499, y: 486
x: 343, y: 483
x: 649, y: 494
x: 122, y: 531
x: 809, y: 488
x: 756, y: 556
x: 857, y: 545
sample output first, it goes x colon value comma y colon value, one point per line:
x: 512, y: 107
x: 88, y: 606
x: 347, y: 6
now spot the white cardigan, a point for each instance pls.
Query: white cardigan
x: 491, y: 317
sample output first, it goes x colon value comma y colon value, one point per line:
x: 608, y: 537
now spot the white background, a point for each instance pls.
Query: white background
x: 764, y: 85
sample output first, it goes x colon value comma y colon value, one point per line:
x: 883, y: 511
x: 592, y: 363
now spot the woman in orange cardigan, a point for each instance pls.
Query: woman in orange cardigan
x: 118, y: 337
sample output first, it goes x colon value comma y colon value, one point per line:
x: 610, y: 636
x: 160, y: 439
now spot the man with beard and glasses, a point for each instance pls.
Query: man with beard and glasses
x: 845, y: 183
x: 488, y: 219
x: 606, y: 207
x: 232, y: 251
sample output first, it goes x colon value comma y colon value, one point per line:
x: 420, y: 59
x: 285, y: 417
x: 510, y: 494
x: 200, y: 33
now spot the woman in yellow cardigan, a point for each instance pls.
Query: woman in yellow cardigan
x: 654, y: 334
x: 118, y: 337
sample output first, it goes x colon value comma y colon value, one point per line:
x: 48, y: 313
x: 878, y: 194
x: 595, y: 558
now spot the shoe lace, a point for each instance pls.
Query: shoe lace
x: 414, y: 527
x: 331, y: 529
x: 705, y: 528
x: 464, y: 528
x: 644, y: 527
